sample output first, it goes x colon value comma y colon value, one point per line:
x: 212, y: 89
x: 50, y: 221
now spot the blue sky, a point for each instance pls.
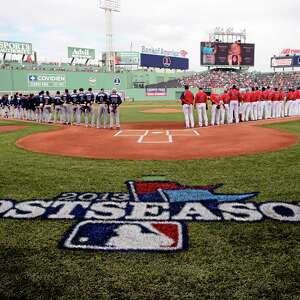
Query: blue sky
x: 53, y: 25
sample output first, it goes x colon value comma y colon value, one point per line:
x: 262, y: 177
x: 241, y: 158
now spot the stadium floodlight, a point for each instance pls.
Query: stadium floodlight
x: 110, y: 6
x: 113, y: 5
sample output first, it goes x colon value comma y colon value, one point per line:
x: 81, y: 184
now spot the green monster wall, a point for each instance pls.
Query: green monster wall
x: 27, y: 81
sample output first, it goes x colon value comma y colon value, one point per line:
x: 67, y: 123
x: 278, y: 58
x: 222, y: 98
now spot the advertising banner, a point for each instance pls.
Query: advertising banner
x: 164, y: 62
x: 281, y: 62
x: 46, y: 80
x: 156, y: 92
x: 15, y: 48
x: 127, y: 58
x: 85, y: 53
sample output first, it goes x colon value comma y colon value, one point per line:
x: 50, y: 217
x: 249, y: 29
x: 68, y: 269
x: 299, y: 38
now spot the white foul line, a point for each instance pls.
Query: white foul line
x: 118, y: 133
x: 142, y: 137
x: 196, y: 132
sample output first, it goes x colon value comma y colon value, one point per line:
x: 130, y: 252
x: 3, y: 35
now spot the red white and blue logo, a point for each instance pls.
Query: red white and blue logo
x: 151, y: 216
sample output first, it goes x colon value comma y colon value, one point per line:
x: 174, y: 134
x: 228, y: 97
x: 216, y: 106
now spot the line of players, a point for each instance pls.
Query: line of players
x: 67, y: 108
x: 235, y: 105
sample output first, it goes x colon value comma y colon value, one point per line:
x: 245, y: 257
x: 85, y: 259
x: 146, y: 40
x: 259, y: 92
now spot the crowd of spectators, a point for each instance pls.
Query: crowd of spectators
x: 226, y: 79
x: 50, y: 66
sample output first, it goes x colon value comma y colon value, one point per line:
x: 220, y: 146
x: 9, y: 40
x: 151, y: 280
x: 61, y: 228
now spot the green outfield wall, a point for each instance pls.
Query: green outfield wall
x: 26, y: 81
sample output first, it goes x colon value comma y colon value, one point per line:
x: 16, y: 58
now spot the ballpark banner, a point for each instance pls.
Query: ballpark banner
x: 40, y: 80
x: 85, y: 53
x: 296, y: 61
x: 164, y: 62
x: 15, y: 48
x: 151, y: 216
x: 127, y: 58
x: 156, y: 92
x: 281, y: 62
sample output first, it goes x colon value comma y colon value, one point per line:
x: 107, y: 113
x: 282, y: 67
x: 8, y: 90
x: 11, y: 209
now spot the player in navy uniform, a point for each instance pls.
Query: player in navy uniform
x: 75, y: 104
x: 89, y: 108
x: 114, y: 102
x: 58, y: 107
x: 31, y: 107
x: 39, y: 104
x: 67, y: 108
x: 103, y: 102
x: 80, y: 106
x: 47, y: 111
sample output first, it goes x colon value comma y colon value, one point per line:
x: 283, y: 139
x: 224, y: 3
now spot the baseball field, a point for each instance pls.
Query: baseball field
x: 224, y: 260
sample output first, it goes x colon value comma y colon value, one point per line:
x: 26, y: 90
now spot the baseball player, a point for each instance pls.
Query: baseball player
x: 89, y: 108
x: 68, y: 108
x: 102, y: 101
x: 225, y: 108
x: 270, y: 96
x: 39, y: 103
x: 75, y: 105
x: 247, y: 102
x: 215, y: 109
x: 187, y: 101
x: 47, y: 111
x: 258, y: 94
x: 234, y: 95
x: 264, y: 104
x: 289, y: 103
x: 201, y: 106
x: 80, y: 106
x: 58, y: 107
x: 254, y: 105
x: 297, y: 94
x: 114, y: 102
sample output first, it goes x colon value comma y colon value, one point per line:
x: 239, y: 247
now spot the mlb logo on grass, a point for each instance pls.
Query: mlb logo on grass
x: 127, y: 236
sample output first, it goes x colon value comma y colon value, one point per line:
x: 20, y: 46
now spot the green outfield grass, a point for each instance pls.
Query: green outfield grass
x: 225, y: 260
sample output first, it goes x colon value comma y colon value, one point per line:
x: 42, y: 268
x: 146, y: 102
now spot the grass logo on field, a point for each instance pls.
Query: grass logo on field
x: 151, y: 216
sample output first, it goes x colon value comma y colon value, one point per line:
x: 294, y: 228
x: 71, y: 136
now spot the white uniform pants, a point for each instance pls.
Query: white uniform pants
x: 202, y: 114
x: 47, y: 113
x: 89, y: 111
x: 68, y: 113
x: 102, y: 112
x: 234, y: 111
x: 225, y: 114
x: 78, y: 114
x: 58, y: 113
x: 188, y: 115
x: 246, y: 111
x: 297, y: 107
x: 215, y: 115
x: 114, y: 117
x: 254, y: 111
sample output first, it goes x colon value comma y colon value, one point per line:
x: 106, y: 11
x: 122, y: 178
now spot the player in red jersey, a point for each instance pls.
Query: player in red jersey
x: 215, y: 109
x: 264, y: 104
x: 270, y: 95
x: 234, y: 96
x: 297, y: 109
x: 187, y: 101
x: 247, y: 106
x: 259, y: 100
x: 225, y: 99
x: 201, y: 106
x: 276, y: 104
x: 253, y: 113
x: 289, y: 105
x: 282, y: 103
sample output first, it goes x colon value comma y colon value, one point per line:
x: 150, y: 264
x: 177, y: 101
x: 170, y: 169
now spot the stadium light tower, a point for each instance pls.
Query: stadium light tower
x: 109, y: 6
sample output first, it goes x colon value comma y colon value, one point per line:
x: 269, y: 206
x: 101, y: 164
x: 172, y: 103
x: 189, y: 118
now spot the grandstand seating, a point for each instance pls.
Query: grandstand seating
x: 225, y: 79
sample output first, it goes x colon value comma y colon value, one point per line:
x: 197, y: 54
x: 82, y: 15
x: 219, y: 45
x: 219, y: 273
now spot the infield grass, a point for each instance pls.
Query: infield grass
x: 225, y: 260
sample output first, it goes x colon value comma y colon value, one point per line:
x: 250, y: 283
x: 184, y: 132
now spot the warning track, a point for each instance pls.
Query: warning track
x: 160, y: 141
